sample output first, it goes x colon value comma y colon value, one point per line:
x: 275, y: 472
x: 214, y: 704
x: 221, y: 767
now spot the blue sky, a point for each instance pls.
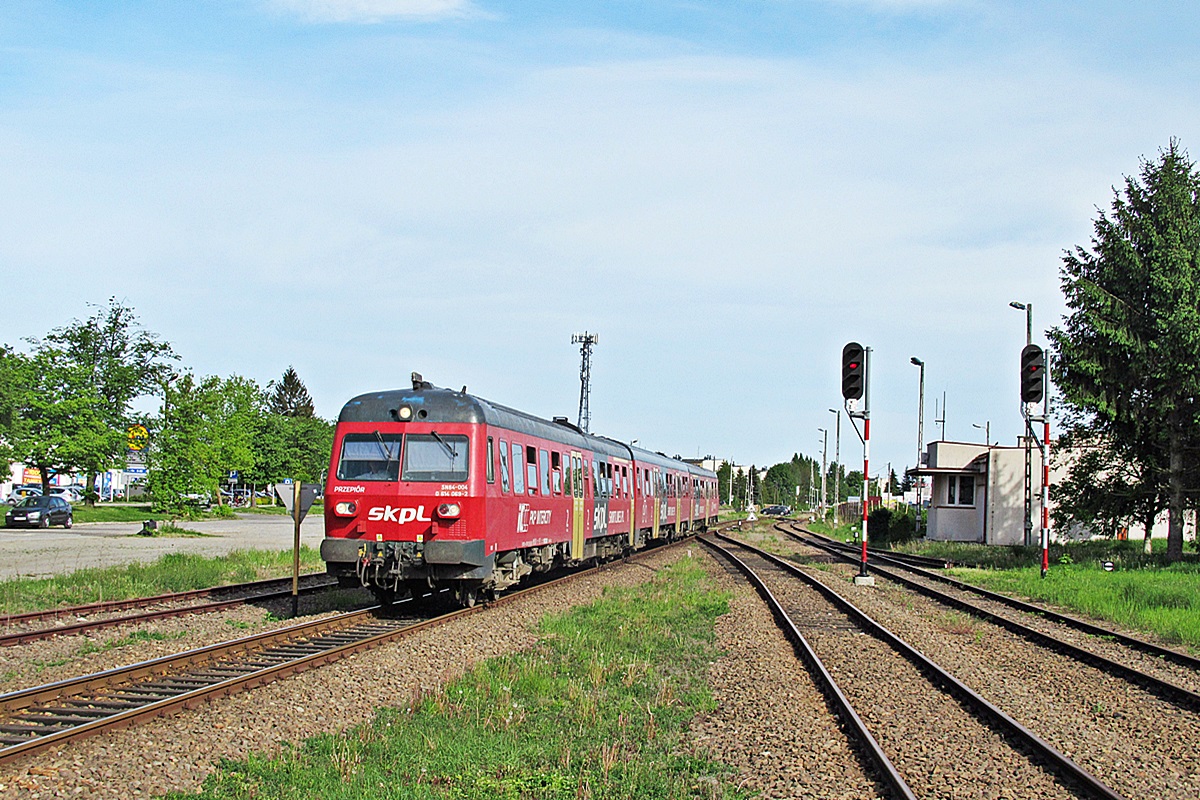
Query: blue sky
x: 726, y: 192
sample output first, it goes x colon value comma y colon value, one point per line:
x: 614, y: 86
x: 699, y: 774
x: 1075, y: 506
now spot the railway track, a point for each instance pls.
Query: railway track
x: 924, y: 729
x: 1150, y: 670
x: 170, y: 605
x: 44, y: 716
x: 891, y: 559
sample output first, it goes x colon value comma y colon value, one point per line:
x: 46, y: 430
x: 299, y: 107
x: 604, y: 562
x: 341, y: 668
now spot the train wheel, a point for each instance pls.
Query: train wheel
x: 466, y: 596
x: 385, y: 597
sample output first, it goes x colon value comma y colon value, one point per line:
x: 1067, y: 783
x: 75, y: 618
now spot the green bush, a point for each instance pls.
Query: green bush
x: 887, y: 527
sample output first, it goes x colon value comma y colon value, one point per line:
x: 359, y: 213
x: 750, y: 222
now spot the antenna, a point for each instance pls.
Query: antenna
x: 586, y: 341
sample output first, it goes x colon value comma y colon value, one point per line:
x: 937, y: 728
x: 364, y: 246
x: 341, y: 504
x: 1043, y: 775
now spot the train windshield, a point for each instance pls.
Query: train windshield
x: 435, y: 457
x: 369, y: 457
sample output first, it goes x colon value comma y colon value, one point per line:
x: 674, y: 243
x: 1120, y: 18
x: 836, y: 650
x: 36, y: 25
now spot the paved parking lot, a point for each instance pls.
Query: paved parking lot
x: 36, y: 552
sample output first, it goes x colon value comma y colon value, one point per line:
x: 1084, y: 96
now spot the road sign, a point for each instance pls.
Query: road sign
x: 233, y: 476
x: 138, y: 436
x: 287, y: 493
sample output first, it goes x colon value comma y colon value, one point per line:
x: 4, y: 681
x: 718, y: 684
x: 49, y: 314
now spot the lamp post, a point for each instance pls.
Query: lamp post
x: 824, y: 450
x: 916, y: 362
x: 837, y: 460
x: 1028, y: 309
x: 986, y: 427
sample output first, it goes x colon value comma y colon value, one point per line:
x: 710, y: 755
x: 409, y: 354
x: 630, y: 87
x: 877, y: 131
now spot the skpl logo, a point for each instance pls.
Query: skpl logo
x: 398, y: 515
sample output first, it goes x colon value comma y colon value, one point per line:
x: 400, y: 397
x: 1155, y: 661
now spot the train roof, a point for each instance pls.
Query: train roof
x: 432, y: 404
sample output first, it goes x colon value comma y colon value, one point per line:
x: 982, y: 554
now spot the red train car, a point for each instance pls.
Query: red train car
x: 430, y: 487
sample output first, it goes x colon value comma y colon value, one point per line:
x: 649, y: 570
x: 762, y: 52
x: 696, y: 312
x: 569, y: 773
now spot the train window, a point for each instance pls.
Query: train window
x: 625, y: 480
x: 608, y: 479
x: 504, y: 466
x: 518, y: 473
x: 556, y: 471
x: 431, y: 457
x: 532, y: 469
x: 491, y: 462
x: 545, y: 473
x: 369, y: 457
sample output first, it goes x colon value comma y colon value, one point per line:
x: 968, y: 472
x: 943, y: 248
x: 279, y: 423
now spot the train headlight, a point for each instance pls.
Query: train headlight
x: 346, y: 508
x: 449, y: 510
x: 405, y: 413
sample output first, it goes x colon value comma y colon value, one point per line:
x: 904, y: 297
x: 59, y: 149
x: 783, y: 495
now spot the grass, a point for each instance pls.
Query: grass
x: 174, y: 572
x: 171, y: 530
x: 1164, y: 601
x: 599, y: 708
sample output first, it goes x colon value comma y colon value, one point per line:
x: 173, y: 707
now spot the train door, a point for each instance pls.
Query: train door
x: 628, y: 474
x: 579, y: 515
x: 656, y: 488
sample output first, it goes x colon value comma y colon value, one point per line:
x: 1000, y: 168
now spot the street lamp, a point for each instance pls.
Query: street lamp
x: 986, y: 427
x: 916, y: 362
x: 1028, y: 309
x: 837, y: 460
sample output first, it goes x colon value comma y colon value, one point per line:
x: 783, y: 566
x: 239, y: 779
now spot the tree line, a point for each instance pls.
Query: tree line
x: 67, y: 407
x: 780, y: 483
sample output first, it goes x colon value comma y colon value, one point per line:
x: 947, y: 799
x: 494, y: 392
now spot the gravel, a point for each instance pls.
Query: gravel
x: 771, y: 722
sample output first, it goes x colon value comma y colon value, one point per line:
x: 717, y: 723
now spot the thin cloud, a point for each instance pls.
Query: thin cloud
x: 374, y: 11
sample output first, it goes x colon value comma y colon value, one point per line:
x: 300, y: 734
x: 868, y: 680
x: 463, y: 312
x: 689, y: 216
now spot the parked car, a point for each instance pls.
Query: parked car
x: 777, y: 511
x: 21, y: 491
x: 37, y: 511
x: 67, y: 493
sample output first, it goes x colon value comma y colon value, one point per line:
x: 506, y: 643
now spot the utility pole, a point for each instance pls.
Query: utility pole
x: 837, y: 461
x: 824, y: 469
x: 920, y: 441
x: 586, y: 341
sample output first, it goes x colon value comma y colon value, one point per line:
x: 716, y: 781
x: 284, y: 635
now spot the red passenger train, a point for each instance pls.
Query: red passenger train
x: 431, y: 488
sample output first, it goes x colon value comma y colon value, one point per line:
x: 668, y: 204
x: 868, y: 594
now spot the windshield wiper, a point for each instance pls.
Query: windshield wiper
x: 387, y: 453
x: 453, y: 453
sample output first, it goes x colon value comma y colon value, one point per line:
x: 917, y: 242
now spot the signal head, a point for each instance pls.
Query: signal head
x: 854, y: 371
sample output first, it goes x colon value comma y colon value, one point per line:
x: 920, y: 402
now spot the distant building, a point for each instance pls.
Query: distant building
x: 977, y: 494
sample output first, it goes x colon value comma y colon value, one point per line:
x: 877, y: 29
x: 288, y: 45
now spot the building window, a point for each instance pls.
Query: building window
x: 960, y: 490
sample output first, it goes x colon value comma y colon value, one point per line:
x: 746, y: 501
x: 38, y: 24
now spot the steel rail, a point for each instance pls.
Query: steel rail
x: 135, y: 602
x: 909, y: 558
x: 998, y: 718
x: 829, y: 687
x: 162, y: 685
x: 1150, y: 648
x: 23, y: 637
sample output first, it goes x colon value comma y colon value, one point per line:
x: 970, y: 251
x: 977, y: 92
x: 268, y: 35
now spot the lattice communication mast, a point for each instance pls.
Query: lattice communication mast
x: 585, y: 341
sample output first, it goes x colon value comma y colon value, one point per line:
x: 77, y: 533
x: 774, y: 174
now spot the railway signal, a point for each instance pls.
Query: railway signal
x: 855, y: 387
x: 854, y: 371
x: 1033, y: 373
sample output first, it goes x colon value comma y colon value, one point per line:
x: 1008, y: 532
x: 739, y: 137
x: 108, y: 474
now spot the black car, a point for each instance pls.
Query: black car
x: 40, y: 512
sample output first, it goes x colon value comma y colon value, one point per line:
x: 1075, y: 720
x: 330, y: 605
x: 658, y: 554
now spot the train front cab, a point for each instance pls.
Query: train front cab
x: 405, y: 506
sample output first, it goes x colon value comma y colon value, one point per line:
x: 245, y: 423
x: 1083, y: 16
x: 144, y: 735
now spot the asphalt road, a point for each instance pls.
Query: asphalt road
x: 34, y: 552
